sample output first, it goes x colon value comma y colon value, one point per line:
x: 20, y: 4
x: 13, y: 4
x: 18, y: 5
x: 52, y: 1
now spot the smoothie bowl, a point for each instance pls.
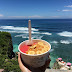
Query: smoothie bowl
x: 36, y: 54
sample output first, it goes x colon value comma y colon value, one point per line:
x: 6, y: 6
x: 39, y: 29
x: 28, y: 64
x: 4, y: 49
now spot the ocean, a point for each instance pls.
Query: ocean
x: 58, y: 32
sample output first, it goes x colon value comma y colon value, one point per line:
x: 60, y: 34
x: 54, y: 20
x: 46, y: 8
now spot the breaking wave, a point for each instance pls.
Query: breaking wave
x: 33, y: 36
x: 54, y: 42
x: 13, y: 29
x: 16, y: 28
x: 65, y: 41
x: 65, y: 34
x: 51, y: 50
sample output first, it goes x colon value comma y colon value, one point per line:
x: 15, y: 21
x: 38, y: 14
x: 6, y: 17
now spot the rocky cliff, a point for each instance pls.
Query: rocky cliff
x: 6, y: 44
x: 8, y: 59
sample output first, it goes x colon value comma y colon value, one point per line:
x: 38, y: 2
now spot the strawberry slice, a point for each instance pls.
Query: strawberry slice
x: 24, y: 48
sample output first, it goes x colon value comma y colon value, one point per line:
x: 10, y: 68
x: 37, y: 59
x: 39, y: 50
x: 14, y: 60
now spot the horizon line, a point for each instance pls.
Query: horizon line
x: 37, y: 18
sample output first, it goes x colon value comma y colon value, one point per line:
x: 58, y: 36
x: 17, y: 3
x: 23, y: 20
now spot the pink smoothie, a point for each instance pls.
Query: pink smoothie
x: 25, y: 48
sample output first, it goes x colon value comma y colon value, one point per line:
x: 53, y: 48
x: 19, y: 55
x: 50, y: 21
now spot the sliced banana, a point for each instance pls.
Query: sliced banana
x: 40, y: 43
x: 31, y: 52
x: 38, y: 48
x: 33, y: 46
x: 44, y: 50
x: 47, y: 46
x: 38, y: 52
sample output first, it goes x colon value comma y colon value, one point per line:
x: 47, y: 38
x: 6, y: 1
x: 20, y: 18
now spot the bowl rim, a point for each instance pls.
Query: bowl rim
x: 37, y: 54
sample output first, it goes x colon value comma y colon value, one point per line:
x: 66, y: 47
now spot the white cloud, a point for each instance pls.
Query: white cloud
x: 1, y: 15
x: 55, y: 16
x: 66, y: 10
x: 68, y: 6
x: 35, y: 16
x: 16, y: 16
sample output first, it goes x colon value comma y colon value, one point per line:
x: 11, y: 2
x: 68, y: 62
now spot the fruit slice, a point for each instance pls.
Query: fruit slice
x: 38, y: 52
x: 24, y: 48
x: 33, y: 46
x: 44, y: 50
x: 40, y: 43
x: 31, y: 52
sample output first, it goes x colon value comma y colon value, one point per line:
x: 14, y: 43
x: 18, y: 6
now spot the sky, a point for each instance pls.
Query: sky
x: 35, y: 9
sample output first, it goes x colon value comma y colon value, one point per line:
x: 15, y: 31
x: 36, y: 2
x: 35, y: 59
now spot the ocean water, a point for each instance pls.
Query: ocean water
x: 58, y: 32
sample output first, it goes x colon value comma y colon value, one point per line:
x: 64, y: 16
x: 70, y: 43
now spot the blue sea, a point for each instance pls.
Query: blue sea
x: 58, y: 32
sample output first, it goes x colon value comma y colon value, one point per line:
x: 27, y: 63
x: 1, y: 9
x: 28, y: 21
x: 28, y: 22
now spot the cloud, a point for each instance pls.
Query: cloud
x: 34, y: 16
x: 16, y: 16
x: 55, y: 16
x: 66, y: 10
x: 68, y: 6
x: 1, y: 15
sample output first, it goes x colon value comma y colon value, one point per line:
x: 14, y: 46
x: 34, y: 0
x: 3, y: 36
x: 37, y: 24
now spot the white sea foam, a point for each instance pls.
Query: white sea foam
x: 27, y: 36
x: 19, y: 35
x: 26, y: 32
x: 16, y: 28
x: 36, y: 36
x: 65, y: 41
x: 13, y: 29
x: 46, y: 33
x: 22, y: 35
x: 51, y: 50
x: 54, y: 42
x: 65, y: 34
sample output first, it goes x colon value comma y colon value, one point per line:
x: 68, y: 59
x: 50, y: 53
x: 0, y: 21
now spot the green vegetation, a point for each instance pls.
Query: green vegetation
x: 8, y: 60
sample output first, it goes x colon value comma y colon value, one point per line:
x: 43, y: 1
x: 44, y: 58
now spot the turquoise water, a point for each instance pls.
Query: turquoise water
x: 15, y: 48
